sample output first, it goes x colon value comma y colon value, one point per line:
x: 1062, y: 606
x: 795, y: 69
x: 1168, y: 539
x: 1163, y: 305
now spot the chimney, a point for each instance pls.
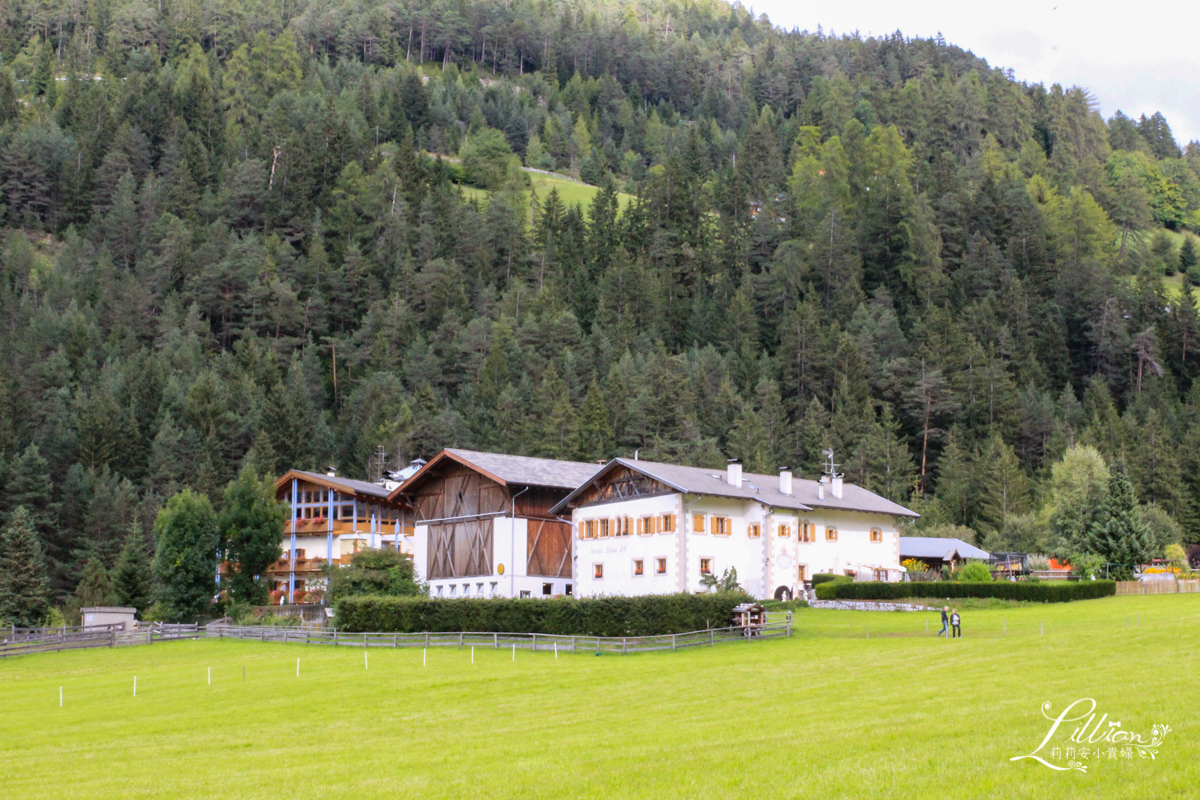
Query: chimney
x: 836, y: 486
x: 331, y: 471
x: 733, y: 473
x: 821, y: 488
x: 785, y: 480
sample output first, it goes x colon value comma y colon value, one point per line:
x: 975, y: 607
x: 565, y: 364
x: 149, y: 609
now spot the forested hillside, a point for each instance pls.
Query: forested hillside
x: 229, y: 239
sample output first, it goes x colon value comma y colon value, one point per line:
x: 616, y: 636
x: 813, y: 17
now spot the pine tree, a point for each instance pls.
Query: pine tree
x: 595, y: 430
x: 1005, y: 485
x: 95, y: 588
x: 133, y: 578
x: 1118, y: 534
x: 24, y: 585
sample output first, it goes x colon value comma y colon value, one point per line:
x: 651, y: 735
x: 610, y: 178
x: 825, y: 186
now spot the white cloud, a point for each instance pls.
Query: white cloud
x: 1139, y: 59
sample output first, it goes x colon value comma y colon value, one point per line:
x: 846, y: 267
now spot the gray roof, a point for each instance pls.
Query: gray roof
x: 934, y: 547
x: 357, y: 487
x: 760, y: 488
x: 526, y: 471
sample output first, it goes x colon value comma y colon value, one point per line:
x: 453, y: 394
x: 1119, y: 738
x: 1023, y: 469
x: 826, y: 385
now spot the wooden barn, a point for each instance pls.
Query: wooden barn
x: 483, y: 526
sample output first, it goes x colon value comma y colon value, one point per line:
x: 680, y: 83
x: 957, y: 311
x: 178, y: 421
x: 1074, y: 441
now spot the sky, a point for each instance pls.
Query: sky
x: 1137, y: 57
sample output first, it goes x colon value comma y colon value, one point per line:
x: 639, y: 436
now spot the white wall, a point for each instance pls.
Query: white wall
x: 510, y: 543
x: 763, y: 564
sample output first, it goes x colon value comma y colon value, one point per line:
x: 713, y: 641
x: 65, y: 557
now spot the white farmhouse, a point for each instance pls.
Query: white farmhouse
x: 642, y: 527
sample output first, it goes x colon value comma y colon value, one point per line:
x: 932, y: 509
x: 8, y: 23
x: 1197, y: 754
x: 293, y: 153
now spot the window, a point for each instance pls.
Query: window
x: 646, y: 525
x: 453, y: 589
x: 666, y: 523
x: 754, y: 531
x: 698, y: 523
x: 605, y: 526
x: 785, y: 531
x: 706, y: 566
x: 876, y: 535
x: 624, y: 526
x: 588, y: 529
x: 831, y: 534
x: 638, y: 568
x: 802, y: 573
x: 524, y: 593
x: 881, y: 575
x: 568, y: 590
x: 722, y: 526
x: 808, y: 532
x: 547, y: 589
x: 660, y: 566
x: 440, y: 591
x: 598, y: 571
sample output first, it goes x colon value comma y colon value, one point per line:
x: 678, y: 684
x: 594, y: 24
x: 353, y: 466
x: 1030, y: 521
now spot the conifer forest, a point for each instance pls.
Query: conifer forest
x: 318, y: 232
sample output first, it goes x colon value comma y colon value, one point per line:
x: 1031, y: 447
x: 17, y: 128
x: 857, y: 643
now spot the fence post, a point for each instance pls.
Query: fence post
x: 427, y: 638
x: 624, y: 645
x: 534, y: 647
x: 395, y: 641
x: 672, y: 643
x: 496, y: 641
x: 572, y: 644
x: 712, y: 638
x: 460, y: 640
x: 364, y: 640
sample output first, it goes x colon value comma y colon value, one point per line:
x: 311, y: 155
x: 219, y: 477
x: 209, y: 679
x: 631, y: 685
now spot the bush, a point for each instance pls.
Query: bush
x: 824, y: 577
x: 602, y: 616
x: 974, y: 572
x: 370, y: 572
x: 1042, y: 591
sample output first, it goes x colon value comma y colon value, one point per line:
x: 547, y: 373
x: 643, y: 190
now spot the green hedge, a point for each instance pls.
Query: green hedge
x: 1042, y: 591
x: 601, y: 616
x: 825, y: 577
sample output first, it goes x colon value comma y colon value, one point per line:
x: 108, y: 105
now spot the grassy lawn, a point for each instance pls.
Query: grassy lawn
x: 828, y: 713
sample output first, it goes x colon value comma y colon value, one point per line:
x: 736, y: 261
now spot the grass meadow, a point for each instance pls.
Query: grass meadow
x: 828, y: 713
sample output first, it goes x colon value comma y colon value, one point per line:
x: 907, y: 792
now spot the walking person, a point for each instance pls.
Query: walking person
x: 945, y: 620
x: 954, y: 623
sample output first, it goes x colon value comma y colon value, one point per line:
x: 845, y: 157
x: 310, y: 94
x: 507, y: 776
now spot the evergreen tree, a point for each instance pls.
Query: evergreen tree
x: 24, y: 585
x: 251, y: 521
x: 185, y: 560
x: 133, y: 577
x: 95, y: 588
x: 1118, y: 534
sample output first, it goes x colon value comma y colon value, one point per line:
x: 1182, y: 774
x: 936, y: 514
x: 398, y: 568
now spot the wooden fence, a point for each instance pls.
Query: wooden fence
x: 1173, y: 586
x: 523, y: 641
x: 23, y: 641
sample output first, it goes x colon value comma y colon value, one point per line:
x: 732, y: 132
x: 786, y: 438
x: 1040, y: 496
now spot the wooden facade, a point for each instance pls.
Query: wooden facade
x: 463, y: 506
x: 620, y: 483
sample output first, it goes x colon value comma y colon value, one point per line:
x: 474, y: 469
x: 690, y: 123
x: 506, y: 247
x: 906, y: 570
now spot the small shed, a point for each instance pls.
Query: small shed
x: 749, y: 616
x: 98, y: 616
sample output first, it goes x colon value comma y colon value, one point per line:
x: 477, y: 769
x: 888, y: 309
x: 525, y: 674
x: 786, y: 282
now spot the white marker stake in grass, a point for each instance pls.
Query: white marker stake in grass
x: 514, y: 652
x: 424, y: 656
x: 60, y: 697
x: 297, y: 668
x: 366, y: 663
x: 135, y: 685
x: 472, y: 654
x: 556, y: 651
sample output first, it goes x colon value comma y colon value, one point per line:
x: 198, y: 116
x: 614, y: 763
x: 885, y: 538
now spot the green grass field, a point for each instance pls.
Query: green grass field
x: 829, y: 713
x: 570, y: 192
